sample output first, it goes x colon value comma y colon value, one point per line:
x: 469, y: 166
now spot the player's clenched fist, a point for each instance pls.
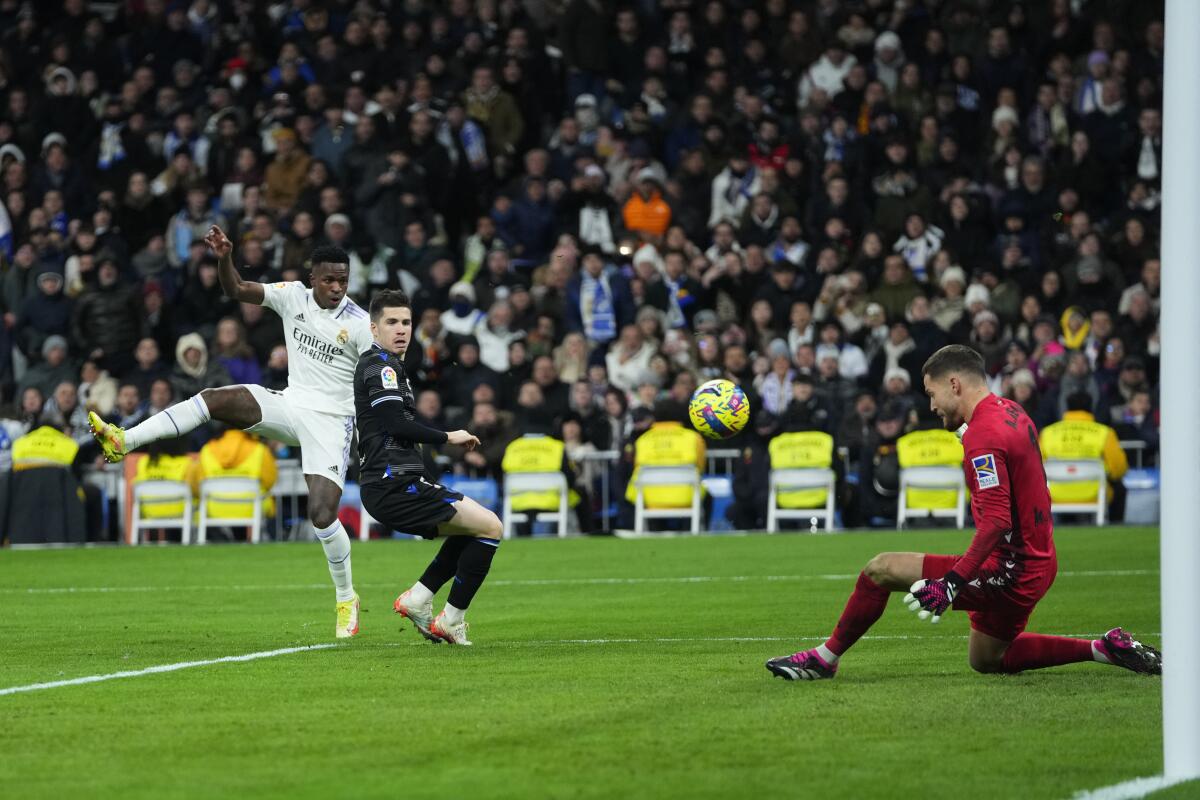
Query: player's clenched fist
x: 218, y: 242
x: 931, y: 599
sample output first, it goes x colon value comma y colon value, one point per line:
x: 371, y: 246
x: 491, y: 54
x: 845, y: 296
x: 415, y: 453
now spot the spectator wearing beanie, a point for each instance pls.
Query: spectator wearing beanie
x: 54, y: 368
x: 44, y: 314
x: 462, y: 317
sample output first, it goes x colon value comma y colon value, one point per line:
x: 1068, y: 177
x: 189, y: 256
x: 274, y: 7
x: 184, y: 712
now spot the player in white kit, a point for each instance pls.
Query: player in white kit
x: 326, y: 331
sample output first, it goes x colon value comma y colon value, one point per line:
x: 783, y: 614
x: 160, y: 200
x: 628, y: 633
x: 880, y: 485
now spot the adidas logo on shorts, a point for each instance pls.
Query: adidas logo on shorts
x: 299, y: 317
x: 334, y: 469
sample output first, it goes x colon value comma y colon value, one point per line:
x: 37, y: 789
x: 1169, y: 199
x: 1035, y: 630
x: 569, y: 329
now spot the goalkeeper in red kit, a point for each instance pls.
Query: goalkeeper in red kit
x: 1010, y: 563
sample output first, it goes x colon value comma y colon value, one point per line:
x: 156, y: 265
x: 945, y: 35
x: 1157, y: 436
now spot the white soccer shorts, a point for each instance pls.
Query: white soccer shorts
x: 324, y: 439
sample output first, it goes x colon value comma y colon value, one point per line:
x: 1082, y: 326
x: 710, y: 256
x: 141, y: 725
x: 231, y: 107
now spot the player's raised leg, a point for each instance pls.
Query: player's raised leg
x: 324, y: 496
x: 884, y: 574
x: 1036, y: 651
x: 233, y: 405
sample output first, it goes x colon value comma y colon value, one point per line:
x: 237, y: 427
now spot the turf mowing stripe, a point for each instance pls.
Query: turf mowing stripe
x: 161, y: 668
x: 137, y: 673
x: 1114, y: 573
x: 703, y: 639
x: 1128, y: 790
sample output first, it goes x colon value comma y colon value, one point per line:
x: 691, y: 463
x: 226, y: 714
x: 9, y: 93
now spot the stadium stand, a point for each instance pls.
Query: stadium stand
x: 594, y: 206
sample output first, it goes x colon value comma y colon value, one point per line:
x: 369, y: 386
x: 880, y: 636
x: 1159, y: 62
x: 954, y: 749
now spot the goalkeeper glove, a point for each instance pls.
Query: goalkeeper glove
x: 931, y: 599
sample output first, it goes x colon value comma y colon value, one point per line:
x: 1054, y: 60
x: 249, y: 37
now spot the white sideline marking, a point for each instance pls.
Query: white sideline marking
x: 137, y: 673
x: 1113, y: 573
x: 1128, y: 790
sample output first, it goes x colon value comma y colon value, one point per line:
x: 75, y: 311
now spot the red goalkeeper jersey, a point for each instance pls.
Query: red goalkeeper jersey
x: 1009, y: 498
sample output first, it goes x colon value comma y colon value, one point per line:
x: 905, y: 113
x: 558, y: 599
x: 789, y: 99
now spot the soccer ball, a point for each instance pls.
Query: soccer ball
x: 719, y: 409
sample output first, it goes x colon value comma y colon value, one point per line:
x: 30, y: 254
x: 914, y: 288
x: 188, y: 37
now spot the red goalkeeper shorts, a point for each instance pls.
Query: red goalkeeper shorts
x: 1000, y: 599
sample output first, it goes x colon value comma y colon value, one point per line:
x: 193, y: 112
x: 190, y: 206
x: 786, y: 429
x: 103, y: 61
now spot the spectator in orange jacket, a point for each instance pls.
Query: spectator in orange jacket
x: 646, y: 212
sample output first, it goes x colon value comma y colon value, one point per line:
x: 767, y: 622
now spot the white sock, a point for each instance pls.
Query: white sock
x: 420, y: 594
x: 175, y: 421
x: 828, y: 655
x: 337, y: 553
x: 1098, y: 654
x: 454, y: 615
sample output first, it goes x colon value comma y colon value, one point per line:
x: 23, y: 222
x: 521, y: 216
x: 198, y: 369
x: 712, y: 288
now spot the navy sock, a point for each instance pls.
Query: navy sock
x: 473, y: 566
x: 444, y: 564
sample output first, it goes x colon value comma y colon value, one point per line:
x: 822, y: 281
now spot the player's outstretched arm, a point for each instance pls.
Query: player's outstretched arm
x: 231, y: 283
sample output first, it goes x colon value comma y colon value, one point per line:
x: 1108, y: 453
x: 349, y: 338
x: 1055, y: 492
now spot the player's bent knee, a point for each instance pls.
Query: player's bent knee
x: 492, y: 529
x: 322, y: 516
x: 986, y: 666
x: 878, y: 569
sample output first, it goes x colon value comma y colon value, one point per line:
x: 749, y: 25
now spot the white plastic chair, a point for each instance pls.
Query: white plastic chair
x: 1084, y: 471
x: 666, y: 476
x: 230, y: 490
x: 949, y: 478
x: 147, y: 494
x: 518, y: 482
x: 790, y: 480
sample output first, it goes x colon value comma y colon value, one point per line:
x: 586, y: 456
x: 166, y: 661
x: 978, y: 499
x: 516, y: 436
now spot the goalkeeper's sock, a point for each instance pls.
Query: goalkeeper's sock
x: 863, y: 609
x: 441, y: 569
x: 1036, y: 650
x: 336, y: 543
x: 473, y: 566
x: 170, y: 423
x: 827, y: 655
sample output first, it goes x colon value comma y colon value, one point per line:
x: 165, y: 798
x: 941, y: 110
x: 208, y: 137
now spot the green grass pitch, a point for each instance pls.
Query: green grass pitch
x: 602, y: 668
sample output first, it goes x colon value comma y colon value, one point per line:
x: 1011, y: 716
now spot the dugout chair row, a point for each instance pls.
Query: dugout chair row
x: 148, y: 494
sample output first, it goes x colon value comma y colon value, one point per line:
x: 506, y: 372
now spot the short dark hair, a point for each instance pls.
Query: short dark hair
x: 388, y: 298
x: 328, y: 254
x: 668, y: 410
x: 954, y: 358
x: 1079, y: 401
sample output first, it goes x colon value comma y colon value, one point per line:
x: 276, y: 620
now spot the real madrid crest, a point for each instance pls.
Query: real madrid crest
x: 343, y: 336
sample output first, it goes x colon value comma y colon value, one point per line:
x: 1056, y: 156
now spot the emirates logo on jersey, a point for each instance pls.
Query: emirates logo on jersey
x: 343, y: 336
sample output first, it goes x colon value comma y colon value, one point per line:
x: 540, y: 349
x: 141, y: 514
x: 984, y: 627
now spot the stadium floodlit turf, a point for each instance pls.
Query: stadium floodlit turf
x: 601, y: 668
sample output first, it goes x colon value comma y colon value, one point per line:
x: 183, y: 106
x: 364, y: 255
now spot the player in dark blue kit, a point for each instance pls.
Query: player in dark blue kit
x: 1010, y: 564
x: 395, y: 490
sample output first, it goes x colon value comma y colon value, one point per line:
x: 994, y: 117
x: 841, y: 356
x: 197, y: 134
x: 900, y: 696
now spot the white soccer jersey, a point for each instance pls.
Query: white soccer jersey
x: 323, y: 346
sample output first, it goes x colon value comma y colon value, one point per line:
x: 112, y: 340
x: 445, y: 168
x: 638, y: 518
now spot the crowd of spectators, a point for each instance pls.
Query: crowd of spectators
x: 593, y: 205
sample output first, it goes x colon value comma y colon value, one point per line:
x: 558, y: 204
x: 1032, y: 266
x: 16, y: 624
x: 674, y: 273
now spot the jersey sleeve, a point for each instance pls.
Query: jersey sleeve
x: 279, y: 296
x: 382, y: 383
x: 986, y: 469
